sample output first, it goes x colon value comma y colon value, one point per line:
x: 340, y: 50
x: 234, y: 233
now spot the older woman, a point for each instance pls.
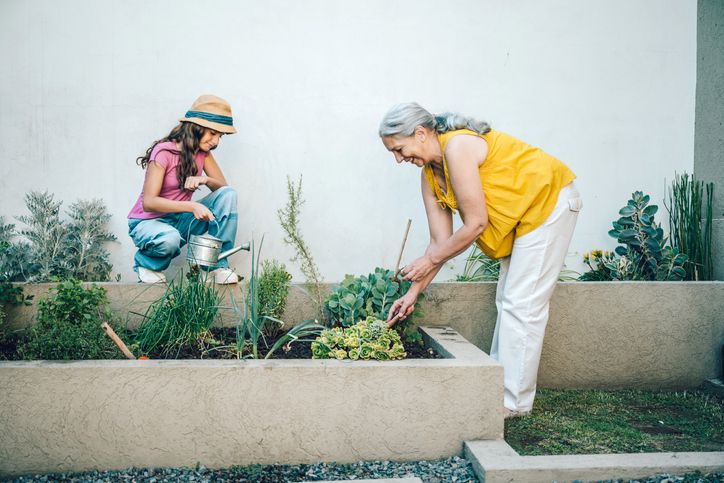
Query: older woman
x: 517, y: 203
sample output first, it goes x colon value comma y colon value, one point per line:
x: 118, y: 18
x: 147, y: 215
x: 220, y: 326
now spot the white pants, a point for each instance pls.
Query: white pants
x: 527, y: 280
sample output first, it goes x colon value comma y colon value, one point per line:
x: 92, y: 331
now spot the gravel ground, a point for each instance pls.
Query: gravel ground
x: 441, y: 471
x: 454, y: 469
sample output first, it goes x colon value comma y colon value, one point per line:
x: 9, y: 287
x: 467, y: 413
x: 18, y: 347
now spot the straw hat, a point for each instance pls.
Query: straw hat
x: 212, y: 112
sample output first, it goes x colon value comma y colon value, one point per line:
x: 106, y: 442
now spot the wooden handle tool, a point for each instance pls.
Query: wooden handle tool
x: 402, y: 248
x: 393, y: 320
x: 114, y: 337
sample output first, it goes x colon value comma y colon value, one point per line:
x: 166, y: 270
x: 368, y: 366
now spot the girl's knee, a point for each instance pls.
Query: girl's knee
x: 225, y: 199
x: 167, y: 245
x: 227, y: 193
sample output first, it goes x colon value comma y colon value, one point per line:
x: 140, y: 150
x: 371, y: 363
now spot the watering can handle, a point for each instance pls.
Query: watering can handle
x: 245, y: 246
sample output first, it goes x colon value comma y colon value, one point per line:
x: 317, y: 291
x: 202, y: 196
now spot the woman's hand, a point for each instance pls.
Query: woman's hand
x: 403, y: 306
x: 193, y: 182
x: 418, y: 269
x: 201, y: 212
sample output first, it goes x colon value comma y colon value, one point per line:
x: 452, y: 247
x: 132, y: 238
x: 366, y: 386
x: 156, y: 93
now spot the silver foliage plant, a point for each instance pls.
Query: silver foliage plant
x: 51, y: 248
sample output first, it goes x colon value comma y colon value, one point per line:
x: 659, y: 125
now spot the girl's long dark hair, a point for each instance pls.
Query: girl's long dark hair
x: 188, y: 135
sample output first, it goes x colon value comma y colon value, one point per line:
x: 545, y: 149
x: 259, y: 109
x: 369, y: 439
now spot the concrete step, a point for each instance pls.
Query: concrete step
x: 495, y: 461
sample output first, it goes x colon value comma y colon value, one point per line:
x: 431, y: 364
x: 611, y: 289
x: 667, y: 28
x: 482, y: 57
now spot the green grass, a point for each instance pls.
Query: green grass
x: 592, y: 422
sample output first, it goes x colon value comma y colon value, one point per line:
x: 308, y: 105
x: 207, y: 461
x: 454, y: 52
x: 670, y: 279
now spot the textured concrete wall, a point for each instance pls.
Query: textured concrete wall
x: 115, y: 414
x: 602, y: 334
x: 601, y: 85
x: 709, y: 136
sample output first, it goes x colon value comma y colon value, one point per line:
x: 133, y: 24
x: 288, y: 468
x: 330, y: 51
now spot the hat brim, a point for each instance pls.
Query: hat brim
x: 211, y: 125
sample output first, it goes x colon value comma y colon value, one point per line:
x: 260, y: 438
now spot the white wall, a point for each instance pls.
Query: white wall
x: 87, y: 85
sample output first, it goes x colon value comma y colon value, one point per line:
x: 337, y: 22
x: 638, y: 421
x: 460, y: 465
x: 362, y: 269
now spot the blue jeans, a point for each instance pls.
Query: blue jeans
x: 159, y: 240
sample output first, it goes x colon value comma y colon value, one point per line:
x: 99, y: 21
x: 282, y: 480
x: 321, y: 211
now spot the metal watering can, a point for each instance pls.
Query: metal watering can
x: 205, y: 250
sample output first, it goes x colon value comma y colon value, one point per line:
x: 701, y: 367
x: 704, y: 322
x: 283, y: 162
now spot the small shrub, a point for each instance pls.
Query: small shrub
x: 9, y: 295
x: 14, y: 255
x: 273, y: 289
x: 367, y: 339
x: 51, y: 248
x: 69, y: 325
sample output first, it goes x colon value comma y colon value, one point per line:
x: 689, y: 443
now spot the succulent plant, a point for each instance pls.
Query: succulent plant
x: 367, y: 339
x: 644, y: 254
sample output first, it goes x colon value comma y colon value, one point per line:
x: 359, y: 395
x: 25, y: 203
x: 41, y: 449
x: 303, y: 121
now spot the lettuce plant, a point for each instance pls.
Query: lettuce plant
x: 367, y: 339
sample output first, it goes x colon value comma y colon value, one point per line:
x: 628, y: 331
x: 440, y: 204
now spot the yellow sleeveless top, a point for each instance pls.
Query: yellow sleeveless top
x: 521, y: 185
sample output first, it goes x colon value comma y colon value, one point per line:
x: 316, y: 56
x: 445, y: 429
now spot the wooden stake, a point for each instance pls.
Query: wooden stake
x: 114, y: 337
x: 402, y: 248
x: 393, y: 320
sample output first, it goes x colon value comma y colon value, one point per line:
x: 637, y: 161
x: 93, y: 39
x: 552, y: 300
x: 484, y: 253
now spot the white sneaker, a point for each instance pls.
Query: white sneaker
x: 225, y: 276
x: 146, y: 275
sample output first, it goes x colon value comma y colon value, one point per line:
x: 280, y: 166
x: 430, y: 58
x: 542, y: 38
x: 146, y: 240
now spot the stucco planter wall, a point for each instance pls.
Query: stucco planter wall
x: 600, y: 334
x: 114, y: 414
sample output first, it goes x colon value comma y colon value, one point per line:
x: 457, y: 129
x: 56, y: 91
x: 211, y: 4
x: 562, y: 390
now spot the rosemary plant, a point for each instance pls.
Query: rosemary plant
x: 289, y: 220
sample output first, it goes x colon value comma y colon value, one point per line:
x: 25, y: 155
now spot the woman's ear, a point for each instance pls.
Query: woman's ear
x: 420, y: 134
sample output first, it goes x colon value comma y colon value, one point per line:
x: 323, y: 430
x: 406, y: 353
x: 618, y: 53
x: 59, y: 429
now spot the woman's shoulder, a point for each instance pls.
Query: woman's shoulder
x: 165, y: 149
x: 462, y: 139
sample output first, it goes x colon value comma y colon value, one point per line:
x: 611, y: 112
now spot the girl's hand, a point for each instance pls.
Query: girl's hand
x: 417, y: 270
x: 201, y: 212
x: 193, y: 182
x: 403, y: 306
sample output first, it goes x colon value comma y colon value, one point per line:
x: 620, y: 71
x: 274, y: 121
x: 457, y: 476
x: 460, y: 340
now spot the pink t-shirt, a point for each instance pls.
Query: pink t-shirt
x: 167, y: 156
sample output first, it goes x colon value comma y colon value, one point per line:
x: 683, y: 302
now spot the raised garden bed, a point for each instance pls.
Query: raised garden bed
x: 75, y: 416
x: 646, y: 335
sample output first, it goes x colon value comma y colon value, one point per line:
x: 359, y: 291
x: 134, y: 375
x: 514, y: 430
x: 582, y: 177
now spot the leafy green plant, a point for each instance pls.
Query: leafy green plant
x: 251, y: 329
x: 10, y: 295
x: 14, y: 255
x: 598, y: 262
x: 274, y: 283
x: 53, y: 248
x: 367, y: 339
x: 289, y: 220
x: 479, y: 267
x: 357, y: 298
x: 644, y: 254
x: 183, y: 314
x: 45, y: 231
x: 69, y: 325
x: 690, y: 227
x: 86, y: 257
x: 649, y: 258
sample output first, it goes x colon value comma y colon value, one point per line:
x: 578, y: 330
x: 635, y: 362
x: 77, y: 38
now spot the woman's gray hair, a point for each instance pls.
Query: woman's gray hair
x: 402, y: 120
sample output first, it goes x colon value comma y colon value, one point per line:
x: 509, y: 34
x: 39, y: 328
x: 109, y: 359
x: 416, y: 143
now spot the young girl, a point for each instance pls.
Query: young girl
x: 164, y: 216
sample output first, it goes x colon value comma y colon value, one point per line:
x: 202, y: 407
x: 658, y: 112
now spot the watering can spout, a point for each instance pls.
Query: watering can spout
x: 245, y: 246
